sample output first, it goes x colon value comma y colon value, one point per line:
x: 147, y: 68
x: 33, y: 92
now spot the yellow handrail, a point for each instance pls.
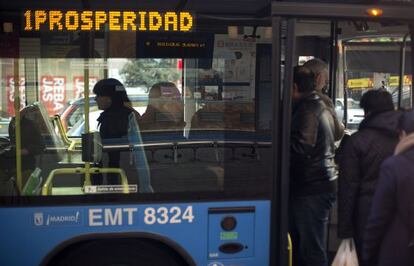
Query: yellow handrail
x: 71, y: 149
x: 290, y: 250
x: 86, y: 112
x: 62, y: 133
x: 61, y: 129
x: 47, y: 186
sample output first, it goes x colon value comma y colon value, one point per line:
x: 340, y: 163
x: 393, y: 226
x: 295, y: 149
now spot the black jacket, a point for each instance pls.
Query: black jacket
x: 312, y: 166
x: 113, y: 128
x: 113, y: 123
x: 359, y: 170
x: 338, y: 126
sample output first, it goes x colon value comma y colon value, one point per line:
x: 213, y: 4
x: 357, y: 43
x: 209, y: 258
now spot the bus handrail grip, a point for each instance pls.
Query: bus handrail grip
x: 258, y: 144
x: 71, y: 150
x: 61, y: 129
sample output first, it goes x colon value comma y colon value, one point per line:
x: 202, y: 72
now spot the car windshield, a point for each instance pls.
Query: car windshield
x: 352, y: 104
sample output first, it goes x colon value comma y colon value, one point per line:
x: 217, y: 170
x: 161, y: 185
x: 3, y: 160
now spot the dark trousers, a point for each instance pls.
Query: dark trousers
x: 308, y: 225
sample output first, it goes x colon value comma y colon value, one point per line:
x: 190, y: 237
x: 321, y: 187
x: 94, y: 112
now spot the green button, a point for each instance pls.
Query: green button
x: 229, y: 235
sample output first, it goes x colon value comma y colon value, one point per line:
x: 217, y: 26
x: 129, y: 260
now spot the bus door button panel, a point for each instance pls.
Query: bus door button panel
x: 231, y: 232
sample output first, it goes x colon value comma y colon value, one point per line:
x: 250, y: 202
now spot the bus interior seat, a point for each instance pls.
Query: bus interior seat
x: 165, y: 109
x: 52, y: 141
x: 56, y: 151
x: 44, y: 146
x: 207, y: 116
x: 162, y: 120
x: 168, y: 116
x: 221, y: 115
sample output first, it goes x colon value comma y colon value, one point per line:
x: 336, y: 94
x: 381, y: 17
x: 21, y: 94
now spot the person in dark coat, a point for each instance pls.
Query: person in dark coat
x: 111, y: 97
x: 312, y: 171
x: 390, y: 227
x: 359, y: 165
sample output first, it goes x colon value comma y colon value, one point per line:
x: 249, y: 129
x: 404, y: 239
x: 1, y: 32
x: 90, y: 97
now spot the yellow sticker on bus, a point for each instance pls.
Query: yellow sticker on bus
x: 393, y: 81
x: 359, y: 83
x: 72, y: 20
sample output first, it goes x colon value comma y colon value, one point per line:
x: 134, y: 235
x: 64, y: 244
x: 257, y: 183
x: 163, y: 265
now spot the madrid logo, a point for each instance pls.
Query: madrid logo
x: 38, y: 218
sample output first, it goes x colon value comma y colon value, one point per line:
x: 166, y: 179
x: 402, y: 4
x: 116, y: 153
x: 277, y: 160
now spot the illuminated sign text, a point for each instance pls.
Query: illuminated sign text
x: 71, y: 20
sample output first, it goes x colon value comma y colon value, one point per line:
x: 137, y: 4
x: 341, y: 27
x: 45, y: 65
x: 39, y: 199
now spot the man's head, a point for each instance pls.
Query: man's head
x: 302, y: 82
x: 376, y: 101
x: 320, y: 70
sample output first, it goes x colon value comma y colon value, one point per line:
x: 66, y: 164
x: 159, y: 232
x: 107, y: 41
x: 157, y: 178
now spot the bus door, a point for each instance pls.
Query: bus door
x: 365, y: 47
x: 374, y: 56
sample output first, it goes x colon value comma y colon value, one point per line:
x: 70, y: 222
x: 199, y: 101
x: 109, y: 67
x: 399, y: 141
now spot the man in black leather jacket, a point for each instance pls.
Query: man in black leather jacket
x: 312, y: 171
x: 321, y: 77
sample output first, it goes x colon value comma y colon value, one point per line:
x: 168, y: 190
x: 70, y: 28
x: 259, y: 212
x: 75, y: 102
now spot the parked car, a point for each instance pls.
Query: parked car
x: 355, y: 114
x: 77, y: 129
x: 74, y: 110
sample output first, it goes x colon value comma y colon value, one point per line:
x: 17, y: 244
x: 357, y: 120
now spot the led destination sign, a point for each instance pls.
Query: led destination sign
x: 153, y: 21
x: 177, y: 45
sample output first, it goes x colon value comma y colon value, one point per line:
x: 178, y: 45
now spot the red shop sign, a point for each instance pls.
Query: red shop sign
x: 53, y: 93
x: 10, y: 86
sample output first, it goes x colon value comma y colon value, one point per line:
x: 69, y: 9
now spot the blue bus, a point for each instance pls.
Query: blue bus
x: 202, y: 175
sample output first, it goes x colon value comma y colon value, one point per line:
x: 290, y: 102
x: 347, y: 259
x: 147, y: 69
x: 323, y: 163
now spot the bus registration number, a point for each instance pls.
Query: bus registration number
x: 126, y: 216
x: 173, y: 215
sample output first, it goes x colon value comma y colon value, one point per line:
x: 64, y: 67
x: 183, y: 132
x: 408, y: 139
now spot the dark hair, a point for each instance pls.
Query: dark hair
x: 376, y: 101
x: 303, y: 78
x: 406, y: 122
x: 112, y: 88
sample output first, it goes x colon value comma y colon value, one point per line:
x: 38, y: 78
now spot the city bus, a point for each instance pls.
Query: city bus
x: 203, y: 174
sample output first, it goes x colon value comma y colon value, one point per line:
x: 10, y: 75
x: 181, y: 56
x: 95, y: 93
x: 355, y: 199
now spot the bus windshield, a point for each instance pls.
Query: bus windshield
x: 194, y: 105
x: 127, y: 128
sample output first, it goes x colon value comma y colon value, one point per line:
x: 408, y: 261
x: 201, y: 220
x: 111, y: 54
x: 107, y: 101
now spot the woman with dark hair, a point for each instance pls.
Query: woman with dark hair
x: 360, y: 162
x: 111, y: 97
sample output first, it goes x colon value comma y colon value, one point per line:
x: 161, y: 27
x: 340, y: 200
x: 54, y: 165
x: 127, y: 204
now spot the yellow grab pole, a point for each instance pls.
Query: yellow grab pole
x: 86, y: 93
x: 17, y: 125
x: 290, y: 250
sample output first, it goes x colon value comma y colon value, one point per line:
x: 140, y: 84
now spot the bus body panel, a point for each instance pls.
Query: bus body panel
x: 37, y: 231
